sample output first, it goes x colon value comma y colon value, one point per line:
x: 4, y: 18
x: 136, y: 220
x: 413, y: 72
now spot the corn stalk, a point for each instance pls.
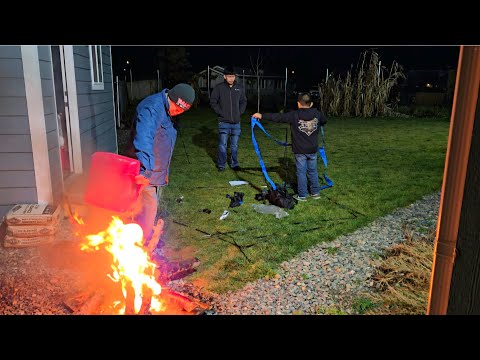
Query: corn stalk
x: 336, y: 99
x: 359, y: 86
x: 364, y: 93
x: 348, y: 95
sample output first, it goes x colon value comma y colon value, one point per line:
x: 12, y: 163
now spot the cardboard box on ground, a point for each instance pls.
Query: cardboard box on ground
x: 29, y: 231
x: 33, y: 214
x: 18, y: 242
x: 31, y: 224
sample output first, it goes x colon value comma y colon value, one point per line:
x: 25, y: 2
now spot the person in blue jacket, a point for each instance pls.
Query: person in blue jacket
x: 152, y: 142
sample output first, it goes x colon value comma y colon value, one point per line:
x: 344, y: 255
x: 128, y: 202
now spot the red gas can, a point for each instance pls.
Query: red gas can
x: 111, y: 184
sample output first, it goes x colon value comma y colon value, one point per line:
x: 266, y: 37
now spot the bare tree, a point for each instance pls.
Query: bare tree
x: 258, y: 71
x: 173, y: 65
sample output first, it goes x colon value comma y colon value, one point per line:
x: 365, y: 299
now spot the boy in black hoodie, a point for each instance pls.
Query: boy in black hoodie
x: 305, y: 126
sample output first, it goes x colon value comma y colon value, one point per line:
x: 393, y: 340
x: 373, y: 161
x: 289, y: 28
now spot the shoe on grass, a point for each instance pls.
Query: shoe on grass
x: 299, y: 198
x: 315, y: 196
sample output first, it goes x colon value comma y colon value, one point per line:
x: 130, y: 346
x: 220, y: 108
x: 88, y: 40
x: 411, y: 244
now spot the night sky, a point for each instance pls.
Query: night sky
x: 309, y: 62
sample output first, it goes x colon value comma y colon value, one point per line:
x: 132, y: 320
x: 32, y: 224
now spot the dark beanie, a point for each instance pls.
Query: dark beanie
x: 228, y: 71
x: 183, y: 95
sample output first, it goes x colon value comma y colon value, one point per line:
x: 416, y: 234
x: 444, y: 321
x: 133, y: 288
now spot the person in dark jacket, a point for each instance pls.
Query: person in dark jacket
x: 152, y: 141
x: 228, y: 100
x: 305, y: 124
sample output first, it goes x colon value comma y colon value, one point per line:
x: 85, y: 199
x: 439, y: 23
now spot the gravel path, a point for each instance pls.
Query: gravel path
x: 327, y: 278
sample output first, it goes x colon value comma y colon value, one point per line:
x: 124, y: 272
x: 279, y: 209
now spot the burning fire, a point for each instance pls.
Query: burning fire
x: 131, y: 266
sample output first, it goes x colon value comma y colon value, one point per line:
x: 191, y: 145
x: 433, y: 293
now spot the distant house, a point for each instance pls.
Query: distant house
x: 428, y: 87
x: 56, y: 109
x: 270, y: 84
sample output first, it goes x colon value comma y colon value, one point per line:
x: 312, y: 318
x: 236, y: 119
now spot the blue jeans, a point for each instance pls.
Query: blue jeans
x: 226, y: 130
x: 307, y: 164
x: 147, y: 201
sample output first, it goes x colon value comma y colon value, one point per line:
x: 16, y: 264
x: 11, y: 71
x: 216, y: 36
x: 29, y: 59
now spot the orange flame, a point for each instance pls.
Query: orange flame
x: 131, y: 266
x: 78, y: 219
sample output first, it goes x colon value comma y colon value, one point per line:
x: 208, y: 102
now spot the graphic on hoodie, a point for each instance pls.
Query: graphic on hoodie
x: 308, y: 126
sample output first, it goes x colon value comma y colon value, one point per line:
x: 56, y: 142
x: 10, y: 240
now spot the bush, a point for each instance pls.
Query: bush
x: 204, y: 99
x: 127, y: 119
x: 425, y: 111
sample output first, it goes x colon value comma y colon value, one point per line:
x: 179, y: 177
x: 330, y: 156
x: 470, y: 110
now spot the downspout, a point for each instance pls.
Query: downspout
x: 458, y: 149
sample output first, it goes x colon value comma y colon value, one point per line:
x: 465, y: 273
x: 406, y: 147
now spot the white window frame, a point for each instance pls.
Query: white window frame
x: 98, y: 69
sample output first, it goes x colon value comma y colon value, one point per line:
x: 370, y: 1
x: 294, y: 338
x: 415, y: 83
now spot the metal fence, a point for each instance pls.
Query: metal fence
x: 127, y: 92
x: 121, y: 100
x: 138, y: 90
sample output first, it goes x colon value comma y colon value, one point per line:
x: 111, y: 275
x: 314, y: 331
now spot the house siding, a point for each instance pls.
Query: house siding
x: 17, y: 176
x: 95, y: 107
x: 96, y: 116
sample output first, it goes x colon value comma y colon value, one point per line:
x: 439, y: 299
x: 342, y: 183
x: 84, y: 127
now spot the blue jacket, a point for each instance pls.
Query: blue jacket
x: 154, y: 137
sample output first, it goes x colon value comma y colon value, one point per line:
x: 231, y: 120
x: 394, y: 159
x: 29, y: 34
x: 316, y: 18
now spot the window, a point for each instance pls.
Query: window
x: 96, y: 67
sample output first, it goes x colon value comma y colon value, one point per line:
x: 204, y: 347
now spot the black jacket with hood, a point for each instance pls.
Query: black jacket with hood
x: 228, y: 102
x: 305, y: 124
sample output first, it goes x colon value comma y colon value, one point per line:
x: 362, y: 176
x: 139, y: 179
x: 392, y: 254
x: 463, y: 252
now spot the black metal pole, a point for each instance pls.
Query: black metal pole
x: 285, y: 159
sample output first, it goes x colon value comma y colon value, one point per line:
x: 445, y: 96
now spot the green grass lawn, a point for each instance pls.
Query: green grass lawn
x: 376, y: 165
